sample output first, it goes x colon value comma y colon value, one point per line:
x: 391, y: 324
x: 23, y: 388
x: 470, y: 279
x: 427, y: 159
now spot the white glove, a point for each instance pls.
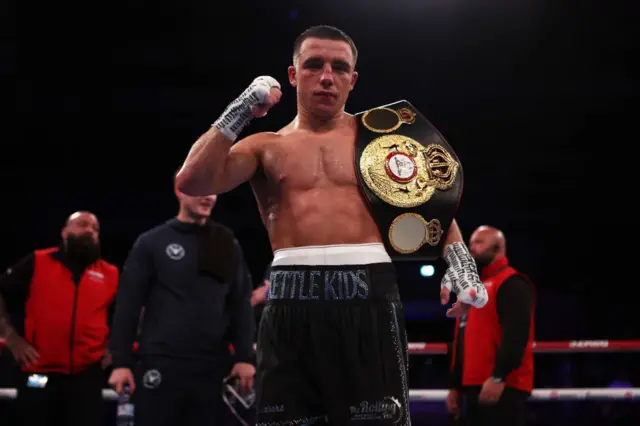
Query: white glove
x: 462, y: 276
x: 240, y: 112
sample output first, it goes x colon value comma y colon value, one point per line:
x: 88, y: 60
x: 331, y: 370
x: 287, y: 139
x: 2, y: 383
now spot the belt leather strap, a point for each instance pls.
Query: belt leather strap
x: 411, y: 178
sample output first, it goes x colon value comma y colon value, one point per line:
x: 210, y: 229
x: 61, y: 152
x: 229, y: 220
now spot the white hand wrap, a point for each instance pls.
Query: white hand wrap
x: 238, y: 113
x: 462, y: 276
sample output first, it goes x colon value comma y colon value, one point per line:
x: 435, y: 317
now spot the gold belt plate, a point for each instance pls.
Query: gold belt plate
x: 404, y: 173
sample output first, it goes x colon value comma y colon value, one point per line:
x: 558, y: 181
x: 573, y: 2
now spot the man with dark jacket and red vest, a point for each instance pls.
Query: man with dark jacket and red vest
x: 64, y: 294
x: 491, y: 355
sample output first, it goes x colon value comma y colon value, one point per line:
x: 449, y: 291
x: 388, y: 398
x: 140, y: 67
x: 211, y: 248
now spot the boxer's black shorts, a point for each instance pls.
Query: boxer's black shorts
x: 332, y: 346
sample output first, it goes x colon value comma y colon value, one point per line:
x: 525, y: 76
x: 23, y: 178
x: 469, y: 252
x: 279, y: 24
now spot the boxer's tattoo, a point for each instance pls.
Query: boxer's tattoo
x: 462, y: 276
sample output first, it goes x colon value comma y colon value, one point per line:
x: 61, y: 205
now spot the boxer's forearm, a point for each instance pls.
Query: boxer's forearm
x: 453, y: 236
x: 462, y: 276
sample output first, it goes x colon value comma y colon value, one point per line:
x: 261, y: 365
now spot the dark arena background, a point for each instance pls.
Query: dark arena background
x: 530, y: 94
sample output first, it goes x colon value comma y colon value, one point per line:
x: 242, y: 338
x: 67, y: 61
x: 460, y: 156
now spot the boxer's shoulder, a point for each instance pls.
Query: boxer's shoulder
x: 256, y: 141
x: 256, y: 138
x: 254, y: 145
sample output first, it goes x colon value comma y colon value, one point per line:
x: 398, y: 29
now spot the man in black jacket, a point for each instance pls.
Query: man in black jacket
x: 190, y: 275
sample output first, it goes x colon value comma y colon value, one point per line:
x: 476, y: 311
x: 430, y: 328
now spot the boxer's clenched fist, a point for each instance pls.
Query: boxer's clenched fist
x: 268, y: 91
x: 262, y: 94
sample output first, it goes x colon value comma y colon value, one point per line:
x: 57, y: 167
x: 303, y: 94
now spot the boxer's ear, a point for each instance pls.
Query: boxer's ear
x: 291, y: 72
x: 354, y: 78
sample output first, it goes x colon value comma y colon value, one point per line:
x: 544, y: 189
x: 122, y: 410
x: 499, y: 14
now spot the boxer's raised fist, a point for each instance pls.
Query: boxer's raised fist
x: 255, y: 101
x: 268, y: 93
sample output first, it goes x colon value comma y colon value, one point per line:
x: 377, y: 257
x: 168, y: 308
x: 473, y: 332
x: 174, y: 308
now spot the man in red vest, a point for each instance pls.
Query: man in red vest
x: 64, y: 294
x: 491, y: 355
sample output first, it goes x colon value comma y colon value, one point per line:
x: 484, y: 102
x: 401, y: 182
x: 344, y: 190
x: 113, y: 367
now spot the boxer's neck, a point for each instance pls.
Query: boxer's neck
x: 309, y: 121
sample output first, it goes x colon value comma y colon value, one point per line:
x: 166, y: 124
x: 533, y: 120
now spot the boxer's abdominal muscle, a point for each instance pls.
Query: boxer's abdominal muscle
x: 309, y: 193
x: 319, y: 217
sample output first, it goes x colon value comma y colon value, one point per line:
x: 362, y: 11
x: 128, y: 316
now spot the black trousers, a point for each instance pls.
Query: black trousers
x: 71, y: 400
x: 178, y: 392
x: 510, y: 410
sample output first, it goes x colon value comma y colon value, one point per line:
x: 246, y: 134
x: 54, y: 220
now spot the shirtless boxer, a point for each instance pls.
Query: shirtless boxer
x: 332, y: 343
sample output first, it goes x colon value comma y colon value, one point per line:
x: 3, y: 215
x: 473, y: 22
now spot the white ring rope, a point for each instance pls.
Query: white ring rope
x: 425, y: 395
x: 439, y: 395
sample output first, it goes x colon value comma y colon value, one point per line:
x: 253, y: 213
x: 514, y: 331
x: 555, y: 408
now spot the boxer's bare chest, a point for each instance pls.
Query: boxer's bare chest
x: 306, y: 161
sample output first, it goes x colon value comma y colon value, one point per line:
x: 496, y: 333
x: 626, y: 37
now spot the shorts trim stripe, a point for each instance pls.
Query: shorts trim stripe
x: 332, y: 255
x: 395, y: 329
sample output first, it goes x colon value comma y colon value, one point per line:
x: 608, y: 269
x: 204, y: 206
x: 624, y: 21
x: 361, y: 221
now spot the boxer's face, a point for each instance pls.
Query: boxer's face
x: 323, y: 75
x: 482, y: 247
x: 197, y: 207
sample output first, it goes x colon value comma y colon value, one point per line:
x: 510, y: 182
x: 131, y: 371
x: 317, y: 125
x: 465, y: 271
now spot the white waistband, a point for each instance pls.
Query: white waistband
x: 339, y: 254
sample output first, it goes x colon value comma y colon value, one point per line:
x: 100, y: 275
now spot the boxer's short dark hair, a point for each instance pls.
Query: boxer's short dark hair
x: 324, y: 32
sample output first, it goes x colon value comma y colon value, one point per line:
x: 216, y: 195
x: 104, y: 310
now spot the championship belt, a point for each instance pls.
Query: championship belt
x: 411, y: 177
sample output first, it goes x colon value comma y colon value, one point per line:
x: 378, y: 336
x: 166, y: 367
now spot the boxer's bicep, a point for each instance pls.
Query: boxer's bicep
x: 214, y: 166
x: 241, y: 165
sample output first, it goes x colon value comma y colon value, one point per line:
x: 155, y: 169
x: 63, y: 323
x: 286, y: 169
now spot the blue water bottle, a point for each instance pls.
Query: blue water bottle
x: 125, y: 411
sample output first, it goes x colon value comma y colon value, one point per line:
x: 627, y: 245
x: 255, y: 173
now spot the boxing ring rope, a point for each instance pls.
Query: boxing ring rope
x: 572, y: 346
x: 561, y: 394
x: 439, y: 395
x: 569, y: 346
